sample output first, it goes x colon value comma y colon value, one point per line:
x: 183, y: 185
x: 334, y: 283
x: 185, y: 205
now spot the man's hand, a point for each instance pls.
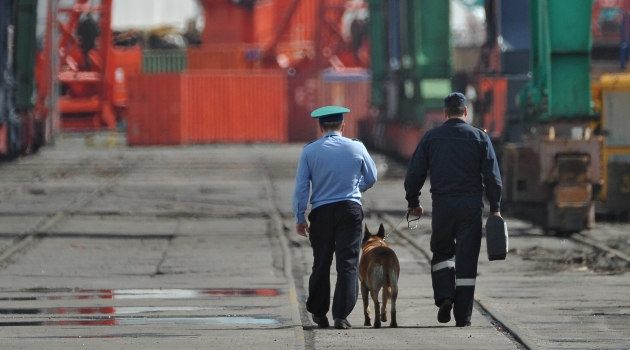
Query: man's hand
x: 417, y: 211
x: 302, y: 228
x: 497, y: 213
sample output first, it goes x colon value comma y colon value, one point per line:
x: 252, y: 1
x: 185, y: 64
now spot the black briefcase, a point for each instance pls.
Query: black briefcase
x: 496, y: 238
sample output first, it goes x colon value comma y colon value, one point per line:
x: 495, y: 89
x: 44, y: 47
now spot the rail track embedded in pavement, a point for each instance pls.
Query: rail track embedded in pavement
x: 517, y: 336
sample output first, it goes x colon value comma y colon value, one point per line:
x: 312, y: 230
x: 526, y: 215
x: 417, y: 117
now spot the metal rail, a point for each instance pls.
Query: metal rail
x: 300, y: 340
x: 42, y: 227
x: 581, y: 238
x: 513, y: 332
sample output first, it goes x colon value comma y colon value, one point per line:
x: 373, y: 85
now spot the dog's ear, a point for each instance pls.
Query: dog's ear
x: 366, y: 234
x: 381, y: 231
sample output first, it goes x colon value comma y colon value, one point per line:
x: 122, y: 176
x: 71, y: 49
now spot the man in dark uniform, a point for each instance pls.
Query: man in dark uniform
x: 461, y: 161
x: 339, y: 169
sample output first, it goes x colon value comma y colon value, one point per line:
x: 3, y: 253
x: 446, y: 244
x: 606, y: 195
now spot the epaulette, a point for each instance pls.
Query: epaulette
x: 484, y: 130
x: 356, y: 140
x: 309, y: 143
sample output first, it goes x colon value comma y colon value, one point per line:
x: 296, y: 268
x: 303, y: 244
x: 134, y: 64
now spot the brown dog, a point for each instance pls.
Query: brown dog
x: 378, y: 268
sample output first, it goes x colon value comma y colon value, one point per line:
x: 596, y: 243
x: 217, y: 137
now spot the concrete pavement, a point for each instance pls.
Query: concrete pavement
x: 178, y: 248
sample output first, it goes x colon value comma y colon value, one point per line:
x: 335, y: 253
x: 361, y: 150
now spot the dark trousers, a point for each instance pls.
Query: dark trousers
x: 455, y: 243
x: 335, y: 228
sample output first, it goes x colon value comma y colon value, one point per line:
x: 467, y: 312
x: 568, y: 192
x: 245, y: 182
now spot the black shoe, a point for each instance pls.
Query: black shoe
x: 444, y: 314
x: 342, y: 323
x: 322, y: 321
x: 462, y: 324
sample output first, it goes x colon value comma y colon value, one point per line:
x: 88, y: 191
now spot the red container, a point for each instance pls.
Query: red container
x: 401, y: 139
x: 236, y: 106
x: 155, y: 110
x: 208, y: 107
x: 350, y: 91
x: 308, y: 92
x: 303, y: 98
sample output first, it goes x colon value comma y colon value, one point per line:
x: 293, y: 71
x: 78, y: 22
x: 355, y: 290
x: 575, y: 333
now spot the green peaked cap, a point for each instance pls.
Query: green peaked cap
x: 328, y: 110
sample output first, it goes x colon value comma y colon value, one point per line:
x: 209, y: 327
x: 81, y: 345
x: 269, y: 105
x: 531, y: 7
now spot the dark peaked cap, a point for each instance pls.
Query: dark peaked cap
x: 455, y: 99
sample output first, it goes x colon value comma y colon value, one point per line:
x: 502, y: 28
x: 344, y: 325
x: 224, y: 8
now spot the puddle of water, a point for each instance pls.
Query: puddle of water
x: 142, y: 321
x: 116, y: 310
x: 111, y: 336
x: 151, y: 294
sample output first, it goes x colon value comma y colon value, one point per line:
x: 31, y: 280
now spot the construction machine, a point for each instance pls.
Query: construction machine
x: 612, y: 101
x: 611, y: 93
x: 553, y: 175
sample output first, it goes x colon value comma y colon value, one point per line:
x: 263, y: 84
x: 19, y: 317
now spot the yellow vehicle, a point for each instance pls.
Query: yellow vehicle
x: 611, y: 96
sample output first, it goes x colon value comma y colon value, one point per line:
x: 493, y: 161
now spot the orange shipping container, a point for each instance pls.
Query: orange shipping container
x: 236, y: 106
x: 208, y: 107
x: 310, y: 91
x: 303, y: 98
x: 351, y: 91
x: 155, y: 110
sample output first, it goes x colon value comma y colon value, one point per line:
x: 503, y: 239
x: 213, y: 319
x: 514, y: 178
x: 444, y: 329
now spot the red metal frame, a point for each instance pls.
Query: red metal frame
x: 329, y: 49
x: 86, y: 102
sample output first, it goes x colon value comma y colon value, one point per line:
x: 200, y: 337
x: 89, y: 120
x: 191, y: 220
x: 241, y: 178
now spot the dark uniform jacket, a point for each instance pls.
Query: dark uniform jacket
x: 461, y: 160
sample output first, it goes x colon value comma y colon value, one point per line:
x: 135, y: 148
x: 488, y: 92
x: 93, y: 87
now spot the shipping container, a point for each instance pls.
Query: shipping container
x: 350, y: 90
x: 303, y: 98
x: 208, y: 107
x: 164, y: 61
x: 308, y: 92
x: 396, y: 139
x: 236, y: 106
x: 155, y: 110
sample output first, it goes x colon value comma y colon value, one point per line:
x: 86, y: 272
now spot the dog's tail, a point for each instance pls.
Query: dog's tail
x: 391, y: 279
x: 377, y: 278
x: 382, y: 278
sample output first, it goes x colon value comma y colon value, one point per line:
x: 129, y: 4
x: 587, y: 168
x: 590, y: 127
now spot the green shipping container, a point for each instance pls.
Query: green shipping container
x: 25, y: 51
x: 561, y: 48
x: 164, y: 61
x: 378, y: 51
x: 426, y: 57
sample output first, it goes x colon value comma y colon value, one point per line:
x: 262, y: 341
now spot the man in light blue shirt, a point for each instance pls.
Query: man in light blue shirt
x: 334, y: 170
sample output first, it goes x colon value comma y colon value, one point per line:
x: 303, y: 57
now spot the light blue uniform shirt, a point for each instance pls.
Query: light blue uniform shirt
x: 338, y: 168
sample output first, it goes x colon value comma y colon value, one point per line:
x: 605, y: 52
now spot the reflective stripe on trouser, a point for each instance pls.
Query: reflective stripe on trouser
x: 456, y: 240
x: 335, y: 228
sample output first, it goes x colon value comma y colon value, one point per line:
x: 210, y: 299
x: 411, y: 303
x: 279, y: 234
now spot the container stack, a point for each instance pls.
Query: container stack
x: 260, y: 70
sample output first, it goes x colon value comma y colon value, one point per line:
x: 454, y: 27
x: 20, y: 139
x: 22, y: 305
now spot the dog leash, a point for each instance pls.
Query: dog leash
x: 406, y: 215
